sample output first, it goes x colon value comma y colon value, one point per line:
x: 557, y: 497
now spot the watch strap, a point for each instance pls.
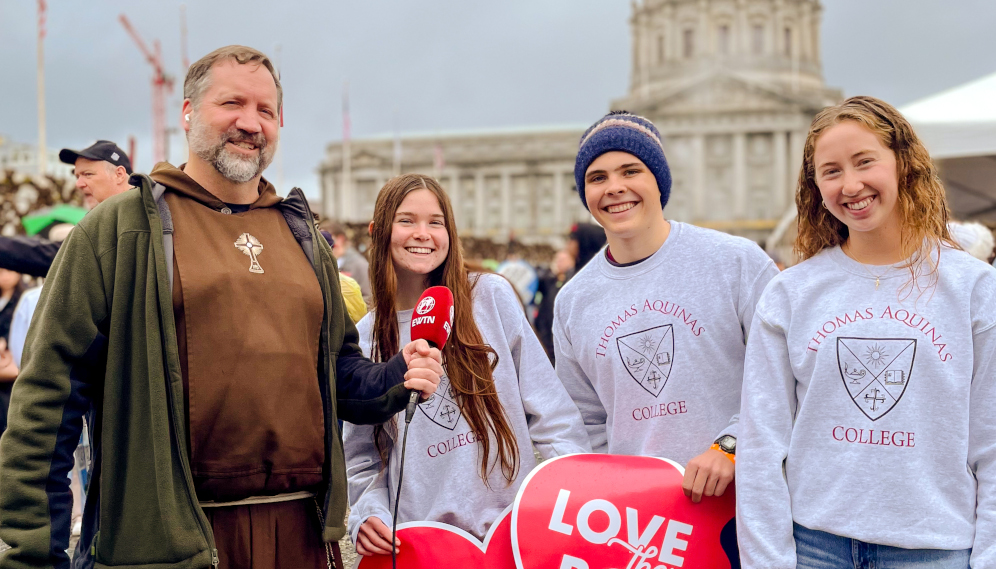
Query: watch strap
x: 715, y: 446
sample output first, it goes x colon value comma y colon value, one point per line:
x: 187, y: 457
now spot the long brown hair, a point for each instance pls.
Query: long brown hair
x: 469, y: 362
x: 921, y: 204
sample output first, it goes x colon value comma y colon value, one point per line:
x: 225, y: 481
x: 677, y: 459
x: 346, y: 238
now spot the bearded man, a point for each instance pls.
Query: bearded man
x: 199, y: 323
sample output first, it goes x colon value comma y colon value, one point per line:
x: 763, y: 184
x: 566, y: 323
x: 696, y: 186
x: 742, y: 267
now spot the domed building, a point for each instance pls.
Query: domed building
x: 731, y: 84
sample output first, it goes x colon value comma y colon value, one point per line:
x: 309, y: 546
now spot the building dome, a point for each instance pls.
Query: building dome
x: 732, y: 86
x: 774, y: 43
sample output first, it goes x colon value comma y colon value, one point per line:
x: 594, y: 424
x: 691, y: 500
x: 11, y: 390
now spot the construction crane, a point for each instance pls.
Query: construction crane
x: 161, y: 85
x: 183, y: 37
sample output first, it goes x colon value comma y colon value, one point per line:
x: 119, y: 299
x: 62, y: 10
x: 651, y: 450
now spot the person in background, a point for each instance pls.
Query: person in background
x: 550, y: 280
x: 583, y: 243
x: 102, y: 171
x: 57, y: 232
x: 974, y: 238
x: 356, y: 306
x: 499, y: 395
x: 11, y: 288
x: 867, y: 435
x: 521, y: 274
x: 351, y: 262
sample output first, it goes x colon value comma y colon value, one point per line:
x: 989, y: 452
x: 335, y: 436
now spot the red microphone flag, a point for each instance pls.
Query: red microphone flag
x: 432, y: 319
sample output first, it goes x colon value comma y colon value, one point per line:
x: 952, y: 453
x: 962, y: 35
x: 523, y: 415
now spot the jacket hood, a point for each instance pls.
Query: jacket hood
x: 176, y: 179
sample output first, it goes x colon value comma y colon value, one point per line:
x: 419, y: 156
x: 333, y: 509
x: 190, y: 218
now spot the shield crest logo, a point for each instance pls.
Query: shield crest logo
x: 647, y: 356
x: 441, y: 407
x: 876, y: 371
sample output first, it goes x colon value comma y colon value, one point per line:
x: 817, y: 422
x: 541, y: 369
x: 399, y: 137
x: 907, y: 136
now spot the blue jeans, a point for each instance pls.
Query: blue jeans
x: 820, y: 550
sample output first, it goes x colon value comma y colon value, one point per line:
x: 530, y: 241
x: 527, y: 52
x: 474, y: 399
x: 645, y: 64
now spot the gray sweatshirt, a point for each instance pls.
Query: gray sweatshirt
x: 442, y: 471
x: 653, y: 353
x: 869, y: 413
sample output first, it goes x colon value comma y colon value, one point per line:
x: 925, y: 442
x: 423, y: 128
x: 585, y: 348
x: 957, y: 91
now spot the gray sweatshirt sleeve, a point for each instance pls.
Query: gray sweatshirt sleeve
x: 753, y: 284
x: 555, y: 426
x: 366, y: 478
x: 982, y: 446
x: 764, y: 508
x: 578, y: 386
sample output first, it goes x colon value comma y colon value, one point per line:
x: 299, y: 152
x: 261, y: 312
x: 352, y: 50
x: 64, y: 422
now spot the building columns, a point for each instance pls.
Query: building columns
x: 797, y: 141
x: 739, y: 175
x: 479, y: 203
x: 814, y: 24
x: 741, y: 36
x: 454, y: 193
x: 506, y: 202
x: 559, y: 194
x: 698, y: 176
x: 805, y: 38
x: 329, y: 195
x: 780, y: 196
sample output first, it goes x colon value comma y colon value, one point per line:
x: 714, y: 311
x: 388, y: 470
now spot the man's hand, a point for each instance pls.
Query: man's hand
x: 374, y: 538
x: 708, y: 474
x: 425, y: 367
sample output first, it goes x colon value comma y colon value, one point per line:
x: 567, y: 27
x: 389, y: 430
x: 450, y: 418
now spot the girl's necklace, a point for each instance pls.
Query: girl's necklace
x: 867, y: 270
x: 877, y: 277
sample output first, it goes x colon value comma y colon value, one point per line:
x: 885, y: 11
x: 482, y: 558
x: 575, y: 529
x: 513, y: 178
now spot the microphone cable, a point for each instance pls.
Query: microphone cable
x: 409, y: 414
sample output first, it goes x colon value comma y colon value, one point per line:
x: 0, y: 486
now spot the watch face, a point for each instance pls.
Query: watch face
x: 727, y: 443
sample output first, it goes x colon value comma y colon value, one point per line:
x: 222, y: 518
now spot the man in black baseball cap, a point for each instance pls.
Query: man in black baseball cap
x: 97, y: 181
x: 102, y: 170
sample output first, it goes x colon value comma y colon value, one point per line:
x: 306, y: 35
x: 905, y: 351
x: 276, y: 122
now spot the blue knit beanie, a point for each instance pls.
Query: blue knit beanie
x: 621, y: 130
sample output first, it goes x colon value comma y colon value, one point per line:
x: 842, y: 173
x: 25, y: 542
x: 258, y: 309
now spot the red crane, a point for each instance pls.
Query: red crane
x: 161, y: 85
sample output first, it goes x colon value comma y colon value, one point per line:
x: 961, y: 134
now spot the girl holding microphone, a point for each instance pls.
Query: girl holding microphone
x: 472, y: 443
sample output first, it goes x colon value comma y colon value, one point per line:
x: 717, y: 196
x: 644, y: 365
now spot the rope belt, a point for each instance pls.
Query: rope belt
x: 256, y: 500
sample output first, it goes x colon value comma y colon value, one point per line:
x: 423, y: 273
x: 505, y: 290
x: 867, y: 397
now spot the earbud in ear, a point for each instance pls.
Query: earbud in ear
x: 186, y: 117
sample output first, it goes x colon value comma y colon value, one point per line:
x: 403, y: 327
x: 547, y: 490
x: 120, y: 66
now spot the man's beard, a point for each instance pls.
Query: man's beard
x: 234, y: 167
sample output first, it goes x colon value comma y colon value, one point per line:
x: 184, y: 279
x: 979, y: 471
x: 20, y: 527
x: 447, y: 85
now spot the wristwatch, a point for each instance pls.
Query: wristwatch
x: 726, y: 444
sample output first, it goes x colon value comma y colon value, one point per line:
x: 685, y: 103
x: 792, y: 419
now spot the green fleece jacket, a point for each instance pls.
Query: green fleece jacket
x: 102, y: 343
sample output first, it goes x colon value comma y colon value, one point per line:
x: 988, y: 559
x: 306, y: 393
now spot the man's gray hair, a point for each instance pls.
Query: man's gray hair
x: 199, y: 74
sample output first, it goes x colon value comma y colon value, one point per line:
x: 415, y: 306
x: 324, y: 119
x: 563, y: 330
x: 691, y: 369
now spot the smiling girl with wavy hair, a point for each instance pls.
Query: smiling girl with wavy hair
x: 867, y: 433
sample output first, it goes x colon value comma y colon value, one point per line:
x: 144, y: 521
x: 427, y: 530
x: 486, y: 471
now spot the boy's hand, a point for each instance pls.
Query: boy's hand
x: 708, y: 474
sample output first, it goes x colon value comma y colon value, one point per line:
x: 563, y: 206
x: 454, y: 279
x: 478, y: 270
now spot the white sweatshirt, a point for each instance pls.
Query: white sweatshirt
x: 442, y: 472
x: 653, y: 353
x: 879, y: 405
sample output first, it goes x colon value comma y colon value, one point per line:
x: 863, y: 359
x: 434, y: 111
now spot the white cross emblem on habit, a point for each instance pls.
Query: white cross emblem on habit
x: 251, y: 247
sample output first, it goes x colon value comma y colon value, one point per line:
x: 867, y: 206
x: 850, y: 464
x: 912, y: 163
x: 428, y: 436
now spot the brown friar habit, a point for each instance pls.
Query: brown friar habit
x: 248, y: 312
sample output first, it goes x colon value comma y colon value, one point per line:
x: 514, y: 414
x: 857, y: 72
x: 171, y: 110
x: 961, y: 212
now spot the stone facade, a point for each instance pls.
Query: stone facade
x: 731, y: 84
x: 502, y: 183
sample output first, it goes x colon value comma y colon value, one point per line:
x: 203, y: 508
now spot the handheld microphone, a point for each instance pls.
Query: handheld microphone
x: 432, y: 321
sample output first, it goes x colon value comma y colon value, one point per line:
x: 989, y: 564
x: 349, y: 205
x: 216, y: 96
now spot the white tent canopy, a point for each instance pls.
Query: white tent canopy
x: 959, y: 128
x: 969, y: 103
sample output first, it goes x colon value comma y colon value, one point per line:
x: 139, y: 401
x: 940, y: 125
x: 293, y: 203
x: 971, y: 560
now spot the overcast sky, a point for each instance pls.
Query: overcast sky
x: 437, y: 65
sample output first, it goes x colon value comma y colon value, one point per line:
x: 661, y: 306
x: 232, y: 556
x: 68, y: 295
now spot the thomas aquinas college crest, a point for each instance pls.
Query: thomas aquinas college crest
x: 441, y: 407
x: 875, y: 371
x: 647, y: 356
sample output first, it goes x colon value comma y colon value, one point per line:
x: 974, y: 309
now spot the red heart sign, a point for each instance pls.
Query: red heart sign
x: 434, y: 545
x: 593, y: 511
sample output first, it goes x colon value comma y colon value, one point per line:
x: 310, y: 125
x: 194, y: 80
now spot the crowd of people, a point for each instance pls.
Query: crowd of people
x: 242, y: 370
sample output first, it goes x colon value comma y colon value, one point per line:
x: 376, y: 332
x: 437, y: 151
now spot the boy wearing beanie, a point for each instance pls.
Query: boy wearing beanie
x: 650, y: 336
